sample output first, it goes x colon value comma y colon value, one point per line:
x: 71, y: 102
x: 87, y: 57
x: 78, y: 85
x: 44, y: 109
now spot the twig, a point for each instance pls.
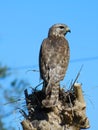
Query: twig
x: 76, y: 78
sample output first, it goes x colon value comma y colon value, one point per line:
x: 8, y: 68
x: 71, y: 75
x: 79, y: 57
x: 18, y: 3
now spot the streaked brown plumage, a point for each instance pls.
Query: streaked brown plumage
x: 53, y: 61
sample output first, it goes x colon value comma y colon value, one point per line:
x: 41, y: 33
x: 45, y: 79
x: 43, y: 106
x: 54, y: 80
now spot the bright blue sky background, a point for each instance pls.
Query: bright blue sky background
x: 23, y: 26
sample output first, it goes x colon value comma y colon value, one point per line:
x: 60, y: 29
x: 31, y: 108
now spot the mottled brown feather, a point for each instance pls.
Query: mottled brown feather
x: 53, y: 62
x: 54, y: 58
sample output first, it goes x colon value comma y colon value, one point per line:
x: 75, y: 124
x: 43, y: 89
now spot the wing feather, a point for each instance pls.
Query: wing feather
x: 53, y: 59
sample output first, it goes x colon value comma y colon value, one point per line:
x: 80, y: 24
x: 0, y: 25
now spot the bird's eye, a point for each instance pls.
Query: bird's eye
x: 61, y: 27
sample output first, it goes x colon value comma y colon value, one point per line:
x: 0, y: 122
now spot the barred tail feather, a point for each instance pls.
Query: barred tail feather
x: 52, y: 95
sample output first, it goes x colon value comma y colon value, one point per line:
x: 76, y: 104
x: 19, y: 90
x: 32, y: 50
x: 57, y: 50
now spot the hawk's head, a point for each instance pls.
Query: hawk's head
x: 58, y: 30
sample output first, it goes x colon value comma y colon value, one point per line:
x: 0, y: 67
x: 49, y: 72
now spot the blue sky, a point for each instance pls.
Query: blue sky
x: 23, y: 26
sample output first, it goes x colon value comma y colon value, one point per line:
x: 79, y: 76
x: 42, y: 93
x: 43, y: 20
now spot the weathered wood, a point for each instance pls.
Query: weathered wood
x: 68, y: 114
x: 26, y: 124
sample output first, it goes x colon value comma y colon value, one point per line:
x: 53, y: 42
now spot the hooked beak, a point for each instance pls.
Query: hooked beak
x: 68, y: 29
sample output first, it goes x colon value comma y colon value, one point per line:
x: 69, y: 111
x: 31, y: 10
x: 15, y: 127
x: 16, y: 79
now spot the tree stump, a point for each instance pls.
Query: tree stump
x: 68, y: 114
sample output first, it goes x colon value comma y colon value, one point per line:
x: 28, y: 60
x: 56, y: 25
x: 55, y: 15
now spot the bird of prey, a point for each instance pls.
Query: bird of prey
x: 53, y: 62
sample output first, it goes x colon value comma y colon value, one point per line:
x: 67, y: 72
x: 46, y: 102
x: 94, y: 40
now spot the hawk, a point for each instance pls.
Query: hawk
x: 53, y: 62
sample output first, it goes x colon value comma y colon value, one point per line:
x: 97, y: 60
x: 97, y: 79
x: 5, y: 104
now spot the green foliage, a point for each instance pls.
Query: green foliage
x: 11, y: 96
x: 2, y: 124
x: 3, y: 71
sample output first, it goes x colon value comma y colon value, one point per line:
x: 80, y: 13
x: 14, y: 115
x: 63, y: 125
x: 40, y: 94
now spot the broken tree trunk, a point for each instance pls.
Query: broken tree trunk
x: 68, y: 114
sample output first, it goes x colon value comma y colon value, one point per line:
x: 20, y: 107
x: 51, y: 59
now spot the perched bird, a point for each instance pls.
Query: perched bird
x: 53, y: 62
